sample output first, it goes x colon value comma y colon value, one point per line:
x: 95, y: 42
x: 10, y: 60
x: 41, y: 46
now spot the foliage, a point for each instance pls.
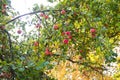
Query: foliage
x: 83, y: 32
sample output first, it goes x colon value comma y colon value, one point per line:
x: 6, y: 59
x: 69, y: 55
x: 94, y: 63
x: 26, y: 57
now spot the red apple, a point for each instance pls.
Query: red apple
x: 42, y: 14
x: 63, y: 33
x: 63, y: 12
x: 81, y: 51
x: 92, y: 30
x: 38, y: 25
x: 4, y: 6
x: 47, y: 52
x: 36, y: 43
x: 55, y: 27
x: 70, y: 37
x: 46, y: 16
x: 65, y: 41
x: 19, y: 31
x: 93, y: 35
x: 67, y: 33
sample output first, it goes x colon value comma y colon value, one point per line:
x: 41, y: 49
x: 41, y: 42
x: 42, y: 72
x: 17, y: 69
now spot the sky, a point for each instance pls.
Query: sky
x: 23, y: 5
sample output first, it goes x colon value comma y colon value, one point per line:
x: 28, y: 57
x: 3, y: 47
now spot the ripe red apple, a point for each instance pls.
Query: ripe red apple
x: 92, y: 30
x: 47, y: 52
x: 46, y: 16
x: 65, y: 41
x: 42, y: 14
x: 19, y: 31
x: 4, y: 6
x: 67, y: 33
x: 81, y: 51
x: 62, y: 33
x: 55, y: 27
x: 93, y: 35
x: 70, y: 37
x: 63, y: 12
x: 36, y: 43
x: 38, y: 25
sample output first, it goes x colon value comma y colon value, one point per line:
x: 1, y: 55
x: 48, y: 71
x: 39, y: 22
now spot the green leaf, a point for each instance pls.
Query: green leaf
x: 42, y: 65
x: 31, y: 63
x: 50, y: 1
x: 21, y: 69
x: 22, y: 58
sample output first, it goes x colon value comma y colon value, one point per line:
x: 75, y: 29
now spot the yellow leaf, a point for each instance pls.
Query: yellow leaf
x: 77, y: 24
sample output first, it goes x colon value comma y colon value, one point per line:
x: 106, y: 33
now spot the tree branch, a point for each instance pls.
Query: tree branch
x: 10, y: 42
x: 31, y: 13
x: 10, y: 46
x: 97, y: 69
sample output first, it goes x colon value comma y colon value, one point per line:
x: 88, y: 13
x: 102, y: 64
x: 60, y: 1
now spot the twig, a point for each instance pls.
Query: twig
x: 87, y: 21
x: 38, y: 18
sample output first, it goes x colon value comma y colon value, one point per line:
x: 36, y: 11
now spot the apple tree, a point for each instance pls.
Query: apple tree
x: 83, y: 32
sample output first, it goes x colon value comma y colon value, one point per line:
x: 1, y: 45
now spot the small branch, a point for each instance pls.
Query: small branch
x: 68, y: 58
x: 94, y: 68
x: 73, y: 61
x: 113, y: 35
x: 38, y: 18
